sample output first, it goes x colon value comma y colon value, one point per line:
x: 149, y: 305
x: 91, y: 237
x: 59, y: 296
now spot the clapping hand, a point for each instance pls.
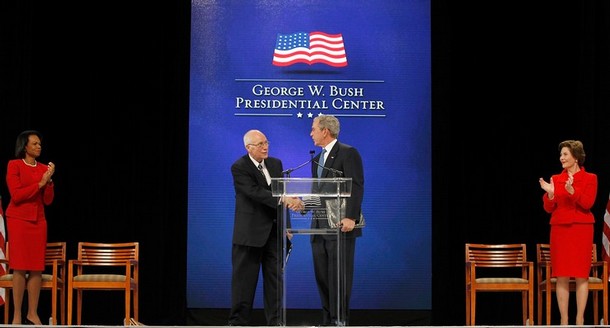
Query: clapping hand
x: 548, y: 187
x: 569, y: 182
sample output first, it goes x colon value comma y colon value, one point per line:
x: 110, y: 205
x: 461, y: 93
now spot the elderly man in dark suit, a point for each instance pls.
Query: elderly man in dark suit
x: 339, y: 160
x: 256, y: 232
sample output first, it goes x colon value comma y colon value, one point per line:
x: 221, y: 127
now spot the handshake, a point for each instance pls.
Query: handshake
x: 294, y: 203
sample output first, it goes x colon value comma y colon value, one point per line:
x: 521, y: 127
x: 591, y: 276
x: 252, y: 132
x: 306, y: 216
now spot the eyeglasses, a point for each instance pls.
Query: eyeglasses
x: 260, y: 144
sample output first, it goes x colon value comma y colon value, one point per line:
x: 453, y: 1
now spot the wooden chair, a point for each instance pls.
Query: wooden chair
x: 598, y: 282
x: 499, y: 268
x: 105, y: 266
x: 53, y: 279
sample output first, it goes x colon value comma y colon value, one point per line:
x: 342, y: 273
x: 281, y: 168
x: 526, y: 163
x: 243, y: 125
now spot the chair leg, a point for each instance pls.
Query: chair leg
x: 467, y: 307
x: 524, y: 309
x: 595, y: 307
x: 136, y: 309
x: 473, y: 308
x: 7, y: 304
x: 127, y: 306
x: 530, y: 307
x: 539, y: 306
x: 548, y: 307
x: 605, y: 304
x: 62, y: 306
x: 69, y: 313
x: 54, y: 305
x: 79, y: 306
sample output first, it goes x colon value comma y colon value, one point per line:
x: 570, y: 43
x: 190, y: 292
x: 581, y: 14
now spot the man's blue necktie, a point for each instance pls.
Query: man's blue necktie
x: 321, y: 164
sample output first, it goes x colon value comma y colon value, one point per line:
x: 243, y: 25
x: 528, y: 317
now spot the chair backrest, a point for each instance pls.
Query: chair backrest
x: 496, y: 255
x: 55, y: 251
x: 107, y: 254
x: 543, y: 253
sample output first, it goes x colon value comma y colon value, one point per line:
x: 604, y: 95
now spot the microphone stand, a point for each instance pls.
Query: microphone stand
x: 334, y: 172
x: 288, y: 171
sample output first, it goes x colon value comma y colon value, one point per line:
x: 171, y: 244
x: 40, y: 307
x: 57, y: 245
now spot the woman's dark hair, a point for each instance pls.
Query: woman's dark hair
x: 22, y: 141
x: 576, y: 148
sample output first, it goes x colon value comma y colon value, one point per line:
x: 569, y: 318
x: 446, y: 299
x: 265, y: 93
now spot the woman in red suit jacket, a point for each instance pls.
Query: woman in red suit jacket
x: 31, y: 188
x: 569, y: 197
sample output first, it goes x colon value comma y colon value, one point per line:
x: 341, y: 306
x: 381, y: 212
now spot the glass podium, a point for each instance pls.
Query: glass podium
x: 323, y: 198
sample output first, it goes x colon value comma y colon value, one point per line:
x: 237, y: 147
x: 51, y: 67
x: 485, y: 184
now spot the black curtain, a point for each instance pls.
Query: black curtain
x: 510, y: 81
x: 107, y: 85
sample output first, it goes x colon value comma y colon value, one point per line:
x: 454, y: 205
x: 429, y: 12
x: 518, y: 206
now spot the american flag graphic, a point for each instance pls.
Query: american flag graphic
x: 309, y: 48
x: 606, y: 234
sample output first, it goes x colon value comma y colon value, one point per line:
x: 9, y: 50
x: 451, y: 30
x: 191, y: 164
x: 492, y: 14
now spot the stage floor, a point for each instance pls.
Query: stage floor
x: 482, y: 326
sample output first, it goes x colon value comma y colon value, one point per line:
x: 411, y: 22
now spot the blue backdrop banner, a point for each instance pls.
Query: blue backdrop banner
x: 274, y: 66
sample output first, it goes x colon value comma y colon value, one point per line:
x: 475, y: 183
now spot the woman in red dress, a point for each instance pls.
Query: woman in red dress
x: 31, y: 188
x: 569, y: 197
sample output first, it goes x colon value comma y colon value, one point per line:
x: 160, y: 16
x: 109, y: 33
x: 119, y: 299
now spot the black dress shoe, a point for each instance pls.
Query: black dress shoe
x: 30, y: 322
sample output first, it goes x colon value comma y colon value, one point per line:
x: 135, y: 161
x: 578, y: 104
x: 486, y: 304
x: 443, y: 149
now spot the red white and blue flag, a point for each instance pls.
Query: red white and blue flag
x: 2, y: 250
x: 606, y: 234
x: 310, y: 48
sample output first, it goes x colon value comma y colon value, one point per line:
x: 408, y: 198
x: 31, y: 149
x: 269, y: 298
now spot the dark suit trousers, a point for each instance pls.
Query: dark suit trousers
x: 247, y: 263
x: 324, y: 251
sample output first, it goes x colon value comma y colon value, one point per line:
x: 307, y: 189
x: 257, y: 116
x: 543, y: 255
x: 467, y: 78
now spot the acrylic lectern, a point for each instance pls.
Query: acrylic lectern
x: 322, y: 198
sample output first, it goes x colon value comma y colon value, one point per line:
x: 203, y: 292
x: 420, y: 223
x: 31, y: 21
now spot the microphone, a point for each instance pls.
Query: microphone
x: 288, y: 171
x: 335, y: 172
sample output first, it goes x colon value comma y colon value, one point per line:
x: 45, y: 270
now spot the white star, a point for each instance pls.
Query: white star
x: 309, y: 115
x: 300, y: 115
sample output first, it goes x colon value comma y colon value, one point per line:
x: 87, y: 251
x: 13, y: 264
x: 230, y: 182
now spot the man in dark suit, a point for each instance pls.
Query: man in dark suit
x: 340, y: 160
x: 256, y: 232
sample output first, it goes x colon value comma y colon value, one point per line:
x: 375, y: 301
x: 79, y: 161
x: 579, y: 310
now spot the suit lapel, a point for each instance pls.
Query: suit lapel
x: 271, y: 168
x: 330, y: 160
